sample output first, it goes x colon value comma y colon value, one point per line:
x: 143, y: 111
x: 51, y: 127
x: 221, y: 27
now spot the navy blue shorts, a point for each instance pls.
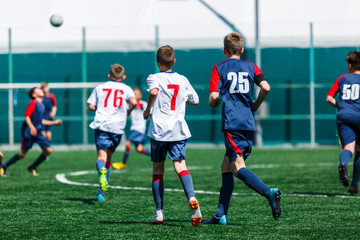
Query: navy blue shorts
x: 137, y: 137
x: 47, y: 128
x: 40, y: 139
x: 106, y: 140
x: 238, y: 142
x: 348, y: 133
x: 159, y: 149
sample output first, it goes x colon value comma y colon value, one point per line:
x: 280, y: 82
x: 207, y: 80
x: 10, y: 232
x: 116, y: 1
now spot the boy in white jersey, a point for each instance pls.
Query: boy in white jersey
x: 108, y: 100
x: 138, y: 127
x: 169, y: 93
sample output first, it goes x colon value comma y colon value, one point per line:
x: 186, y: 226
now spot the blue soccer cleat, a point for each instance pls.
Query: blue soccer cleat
x: 274, y: 201
x: 103, y: 181
x: 214, y: 220
x: 100, y: 198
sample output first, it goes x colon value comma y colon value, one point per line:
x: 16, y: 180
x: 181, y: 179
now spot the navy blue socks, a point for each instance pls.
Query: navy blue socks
x: 226, y: 190
x: 187, y: 183
x: 158, y: 191
x: 345, y: 156
x: 11, y: 161
x: 126, y: 155
x: 41, y: 158
x: 253, y: 182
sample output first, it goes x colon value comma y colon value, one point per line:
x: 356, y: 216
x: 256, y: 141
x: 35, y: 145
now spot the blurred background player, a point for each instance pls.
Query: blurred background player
x: 348, y: 119
x: 49, y: 101
x: 108, y: 100
x: 1, y: 157
x: 31, y: 132
x: 169, y: 93
x: 137, y: 134
x: 234, y: 80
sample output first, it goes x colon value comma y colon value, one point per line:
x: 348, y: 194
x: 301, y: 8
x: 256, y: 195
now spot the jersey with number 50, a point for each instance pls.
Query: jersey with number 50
x: 234, y: 79
x: 111, y: 107
x: 168, y: 116
x: 348, y: 88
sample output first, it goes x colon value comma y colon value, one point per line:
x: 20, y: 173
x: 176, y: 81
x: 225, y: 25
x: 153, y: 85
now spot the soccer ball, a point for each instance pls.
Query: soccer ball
x: 56, y: 20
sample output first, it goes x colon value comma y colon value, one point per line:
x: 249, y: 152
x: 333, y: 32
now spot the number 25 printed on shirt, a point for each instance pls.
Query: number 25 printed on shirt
x: 239, y: 79
x: 118, y: 100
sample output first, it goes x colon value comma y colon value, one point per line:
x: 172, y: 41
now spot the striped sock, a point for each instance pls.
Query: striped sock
x: 187, y: 183
x: 158, y: 191
x: 108, y: 168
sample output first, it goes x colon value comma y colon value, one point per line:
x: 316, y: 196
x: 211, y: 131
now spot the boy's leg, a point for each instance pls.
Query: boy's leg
x: 46, y: 152
x: 102, y: 171
x: 140, y: 149
x: 226, y: 189
x: 11, y: 161
x: 354, y: 188
x: 127, y: 152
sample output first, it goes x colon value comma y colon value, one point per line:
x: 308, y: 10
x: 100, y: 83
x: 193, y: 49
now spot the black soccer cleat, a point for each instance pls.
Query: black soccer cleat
x: 213, y: 220
x: 354, y: 188
x: 343, y: 173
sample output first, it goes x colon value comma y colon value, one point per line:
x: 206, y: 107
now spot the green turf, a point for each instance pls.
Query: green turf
x: 43, y: 208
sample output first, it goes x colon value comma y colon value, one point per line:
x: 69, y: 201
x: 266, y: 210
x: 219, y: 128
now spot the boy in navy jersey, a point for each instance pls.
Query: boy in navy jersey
x: 31, y: 132
x: 234, y: 80
x: 348, y: 119
x: 49, y: 101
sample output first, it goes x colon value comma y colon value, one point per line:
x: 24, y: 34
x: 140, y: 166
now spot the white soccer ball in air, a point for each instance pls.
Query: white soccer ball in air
x: 56, y: 20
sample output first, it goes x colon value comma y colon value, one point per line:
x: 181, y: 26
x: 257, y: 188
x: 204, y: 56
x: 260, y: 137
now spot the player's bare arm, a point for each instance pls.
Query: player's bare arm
x: 214, y: 99
x: 264, y: 91
x: 152, y: 97
x: 92, y: 107
x: 332, y: 101
x: 53, y: 112
x: 51, y: 123
x: 33, y: 130
x: 132, y: 105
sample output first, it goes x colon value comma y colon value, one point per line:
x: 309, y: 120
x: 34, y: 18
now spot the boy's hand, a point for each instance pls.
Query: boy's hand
x: 58, y: 122
x: 146, y: 114
x: 33, y: 131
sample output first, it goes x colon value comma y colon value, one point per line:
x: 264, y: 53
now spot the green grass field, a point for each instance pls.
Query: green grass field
x: 44, y: 208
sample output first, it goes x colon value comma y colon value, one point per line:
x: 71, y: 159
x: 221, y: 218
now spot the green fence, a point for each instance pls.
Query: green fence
x: 286, y: 69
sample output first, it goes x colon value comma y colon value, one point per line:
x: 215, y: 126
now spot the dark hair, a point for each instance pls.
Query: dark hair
x: 31, y: 92
x: 233, y: 43
x: 165, y: 56
x: 353, y: 58
x: 117, y: 71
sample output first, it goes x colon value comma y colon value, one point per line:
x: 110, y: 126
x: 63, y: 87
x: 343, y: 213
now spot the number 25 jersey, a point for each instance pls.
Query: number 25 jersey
x: 348, y: 87
x: 168, y: 115
x: 111, y: 108
x: 234, y: 79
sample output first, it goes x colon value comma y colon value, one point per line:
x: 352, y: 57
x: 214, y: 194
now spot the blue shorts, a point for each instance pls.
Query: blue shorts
x: 137, y: 137
x: 40, y: 139
x: 159, y: 149
x: 47, y: 127
x: 238, y: 142
x: 106, y: 140
x: 348, y: 133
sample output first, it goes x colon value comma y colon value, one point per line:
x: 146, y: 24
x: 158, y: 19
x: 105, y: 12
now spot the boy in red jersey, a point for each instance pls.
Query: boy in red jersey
x: 31, y: 132
x: 348, y: 119
x: 49, y: 101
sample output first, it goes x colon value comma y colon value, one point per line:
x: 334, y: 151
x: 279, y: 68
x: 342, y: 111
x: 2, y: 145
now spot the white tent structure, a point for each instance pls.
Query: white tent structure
x: 124, y: 25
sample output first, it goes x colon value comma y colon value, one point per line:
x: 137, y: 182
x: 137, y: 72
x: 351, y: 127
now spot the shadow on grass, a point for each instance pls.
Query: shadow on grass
x: 146, y: 223
x: 90, y: 201
x: 321, y: 193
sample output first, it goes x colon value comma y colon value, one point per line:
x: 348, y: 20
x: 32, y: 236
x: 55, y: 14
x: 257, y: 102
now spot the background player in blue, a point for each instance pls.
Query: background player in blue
x: 348, y: 119
x: 137, y: 134
x: 234, y: 80
x: 108, y: 100
x: 31, y: 132
x: 49, y: 101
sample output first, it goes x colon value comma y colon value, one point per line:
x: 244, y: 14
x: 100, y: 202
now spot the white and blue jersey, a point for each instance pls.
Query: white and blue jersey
x: 234, y: 79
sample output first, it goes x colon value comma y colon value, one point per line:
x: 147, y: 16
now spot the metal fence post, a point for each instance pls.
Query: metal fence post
x: 84, y: 91
x: 312, y: 87
x: 10, y: 95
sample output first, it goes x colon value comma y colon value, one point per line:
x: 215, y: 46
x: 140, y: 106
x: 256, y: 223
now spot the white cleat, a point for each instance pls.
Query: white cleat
x: 195, y: 212
x: 158, y: 218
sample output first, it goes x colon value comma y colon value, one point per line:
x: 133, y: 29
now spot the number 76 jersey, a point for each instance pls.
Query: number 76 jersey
x: 234, y: 79
x: 168, y: 115
x: 348, y: 88
x: 111, y: 107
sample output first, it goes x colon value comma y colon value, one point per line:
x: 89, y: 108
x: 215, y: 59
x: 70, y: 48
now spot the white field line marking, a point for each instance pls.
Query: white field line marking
x: 62, y: 178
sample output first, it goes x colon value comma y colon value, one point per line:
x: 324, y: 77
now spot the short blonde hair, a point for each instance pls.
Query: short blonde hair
x: 165, y: 56
x: 43, y: 85
x: 234, y: 43
x: 117, y: 71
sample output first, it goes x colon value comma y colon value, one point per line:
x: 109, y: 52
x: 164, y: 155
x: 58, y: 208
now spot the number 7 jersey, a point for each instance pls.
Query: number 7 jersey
x: 111, y: 107
x: 168, y: 115
x: 234, y: 79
